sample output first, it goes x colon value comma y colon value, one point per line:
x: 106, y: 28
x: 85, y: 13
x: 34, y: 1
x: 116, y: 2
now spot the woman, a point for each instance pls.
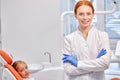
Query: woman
x: 86, y: 51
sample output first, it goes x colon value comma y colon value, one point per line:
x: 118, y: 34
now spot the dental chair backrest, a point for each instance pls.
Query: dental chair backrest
x: 8, y: 72
x: 5, y: 58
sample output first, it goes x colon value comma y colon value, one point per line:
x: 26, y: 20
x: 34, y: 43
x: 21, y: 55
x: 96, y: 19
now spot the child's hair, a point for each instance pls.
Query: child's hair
x: 17, y: 63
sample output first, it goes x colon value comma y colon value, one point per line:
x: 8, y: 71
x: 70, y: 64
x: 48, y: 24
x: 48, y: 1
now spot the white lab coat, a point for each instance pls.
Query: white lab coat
x: 89, y: 67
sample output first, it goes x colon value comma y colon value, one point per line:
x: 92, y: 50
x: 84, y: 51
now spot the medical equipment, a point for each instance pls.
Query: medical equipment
x: 96, y: 12
x: 5, y: 58
x: 8, y: 72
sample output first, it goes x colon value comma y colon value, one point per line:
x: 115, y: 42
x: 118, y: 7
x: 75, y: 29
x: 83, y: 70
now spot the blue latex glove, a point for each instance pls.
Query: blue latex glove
x: 64, y: 57
x: 101, y: 53
x: 70, y: 59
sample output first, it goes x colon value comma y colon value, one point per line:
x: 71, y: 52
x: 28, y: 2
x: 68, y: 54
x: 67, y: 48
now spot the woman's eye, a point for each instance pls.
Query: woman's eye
x: 80, y: 14
x: 88, y: 13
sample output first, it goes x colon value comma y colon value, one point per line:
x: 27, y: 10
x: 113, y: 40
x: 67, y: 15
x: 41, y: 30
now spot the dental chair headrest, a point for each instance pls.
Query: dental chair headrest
x: 13, y: 72
x: 5, y: 58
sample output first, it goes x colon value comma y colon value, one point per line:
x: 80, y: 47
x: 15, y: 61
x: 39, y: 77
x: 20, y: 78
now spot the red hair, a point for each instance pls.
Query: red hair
x: 83, y: 2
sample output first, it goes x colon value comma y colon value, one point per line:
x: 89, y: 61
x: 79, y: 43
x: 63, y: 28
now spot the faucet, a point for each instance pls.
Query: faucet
x: 49, y: 54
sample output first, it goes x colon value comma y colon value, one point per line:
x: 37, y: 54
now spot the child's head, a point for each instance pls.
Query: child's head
x: 21, y: 68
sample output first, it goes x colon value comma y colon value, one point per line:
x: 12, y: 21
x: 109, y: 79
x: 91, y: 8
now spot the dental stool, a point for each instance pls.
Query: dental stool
x: 8, y: 72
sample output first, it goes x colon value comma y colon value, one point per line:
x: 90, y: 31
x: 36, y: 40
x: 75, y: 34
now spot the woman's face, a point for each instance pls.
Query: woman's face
x: 23, y: 70
x: 84, y: 15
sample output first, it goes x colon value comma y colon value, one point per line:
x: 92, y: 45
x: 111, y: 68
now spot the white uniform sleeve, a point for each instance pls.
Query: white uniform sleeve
x: 72, y: 70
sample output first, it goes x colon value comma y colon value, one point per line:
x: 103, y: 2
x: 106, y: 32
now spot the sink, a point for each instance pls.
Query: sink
x: 33, y: 68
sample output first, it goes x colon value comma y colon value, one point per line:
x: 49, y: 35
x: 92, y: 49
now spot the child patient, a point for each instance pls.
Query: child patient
x: 22, y: 68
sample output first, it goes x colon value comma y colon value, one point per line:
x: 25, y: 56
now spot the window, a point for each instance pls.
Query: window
x: 112, y: 21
